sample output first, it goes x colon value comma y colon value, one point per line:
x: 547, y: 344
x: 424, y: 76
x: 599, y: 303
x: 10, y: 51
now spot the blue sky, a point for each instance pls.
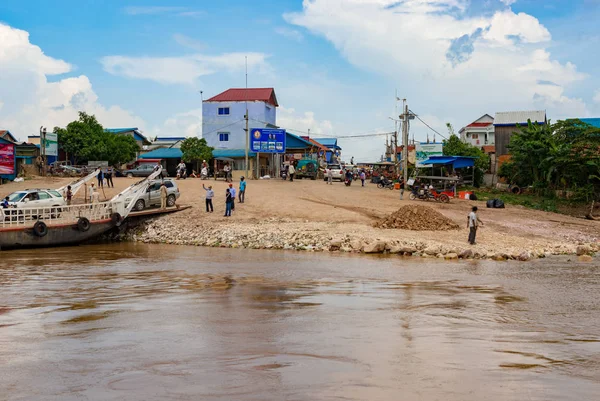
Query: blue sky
x: 335, y: 64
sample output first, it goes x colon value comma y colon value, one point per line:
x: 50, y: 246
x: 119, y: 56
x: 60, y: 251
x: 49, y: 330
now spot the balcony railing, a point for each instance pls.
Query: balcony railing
x: 59, y: 215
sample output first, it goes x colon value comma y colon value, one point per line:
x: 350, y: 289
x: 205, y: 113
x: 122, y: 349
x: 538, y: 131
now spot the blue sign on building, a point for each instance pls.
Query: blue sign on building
x: 267, y: 140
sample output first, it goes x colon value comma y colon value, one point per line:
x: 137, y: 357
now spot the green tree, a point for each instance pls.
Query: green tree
x: 195, y: 149
x: 564, y: 156
x: 85, y: 139
x: 453, y: 146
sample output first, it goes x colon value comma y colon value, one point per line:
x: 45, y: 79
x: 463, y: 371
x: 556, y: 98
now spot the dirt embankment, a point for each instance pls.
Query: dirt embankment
x: 310, y: 215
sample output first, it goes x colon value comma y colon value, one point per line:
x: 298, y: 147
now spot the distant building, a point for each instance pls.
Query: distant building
x: 5, y: 134
x: 506, y: 123
x: 134, y: 132
x: 166, y: 142
x: 480, y: 132
x: 595, y: 122
x: 335, y: 152
x: 223, y: 118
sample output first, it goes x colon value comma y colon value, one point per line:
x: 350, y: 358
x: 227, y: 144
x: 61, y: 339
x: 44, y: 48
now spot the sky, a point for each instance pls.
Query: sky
x: 336, y: 65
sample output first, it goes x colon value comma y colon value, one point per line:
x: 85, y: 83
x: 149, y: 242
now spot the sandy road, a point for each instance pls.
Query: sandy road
x: 341, y: 211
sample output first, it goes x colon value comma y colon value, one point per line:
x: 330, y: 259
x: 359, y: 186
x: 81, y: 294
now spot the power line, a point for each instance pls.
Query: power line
x: 366, y: 134
x: 427, y: 125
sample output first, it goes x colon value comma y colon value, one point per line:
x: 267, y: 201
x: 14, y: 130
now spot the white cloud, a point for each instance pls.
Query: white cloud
x: 289, y: 33
x: 301, y: 123
x: 184, y: 69
x: 446, y: 61
x: 188, y: 42
x: 30, y: 101
x: 508, y: 2
x: 188, y: 123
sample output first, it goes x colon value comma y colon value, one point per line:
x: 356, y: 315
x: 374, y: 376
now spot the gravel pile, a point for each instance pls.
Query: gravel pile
x: 417, y: 218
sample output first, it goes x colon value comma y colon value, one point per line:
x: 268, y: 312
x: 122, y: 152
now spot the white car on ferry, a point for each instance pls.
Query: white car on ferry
x: 32, y: 198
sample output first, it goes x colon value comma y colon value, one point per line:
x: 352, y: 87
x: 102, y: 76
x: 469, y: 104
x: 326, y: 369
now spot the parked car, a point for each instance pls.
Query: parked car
x: 152, y: 195
x: 143, y: 170
x: 36, y: 198
x: 337, y: 172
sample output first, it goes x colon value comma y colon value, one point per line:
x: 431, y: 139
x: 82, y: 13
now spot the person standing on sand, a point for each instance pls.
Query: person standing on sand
x: 100, y: 177
x: 232, y: 192
x: 401, y: 188
x: 163, y: 196
x: 210, y: 194
x: 242, y: 196
x: 69, y: 195
x: 472, y: 224
x: 108, y: 175
x: 227, y: 203
x: 91, y: 193
x: 363, y: 176
x: 292, y: 171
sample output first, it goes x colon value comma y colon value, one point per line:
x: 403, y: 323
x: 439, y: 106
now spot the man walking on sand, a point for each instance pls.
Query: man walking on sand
x: 363, y: 176
x: 330, y: 176
x: 210, y: 194
x: 473, y: 223
x: 401, y: 188
x: 242, y: 195
x: 163, y: 196
x: 292, y: 171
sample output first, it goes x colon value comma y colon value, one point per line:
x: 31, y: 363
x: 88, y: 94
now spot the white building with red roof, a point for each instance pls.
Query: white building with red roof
x: 223, y: 123
x: 480, y: 132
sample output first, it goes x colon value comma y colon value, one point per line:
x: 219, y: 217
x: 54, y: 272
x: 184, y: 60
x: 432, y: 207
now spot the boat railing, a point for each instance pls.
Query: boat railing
x: 58, y: 215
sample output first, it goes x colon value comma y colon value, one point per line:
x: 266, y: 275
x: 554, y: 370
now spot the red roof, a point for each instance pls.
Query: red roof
x: 474, y: 125
x: 251, y: 95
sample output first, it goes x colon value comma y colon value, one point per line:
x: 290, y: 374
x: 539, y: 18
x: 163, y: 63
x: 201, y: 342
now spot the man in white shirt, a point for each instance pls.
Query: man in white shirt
x: 472, y: 224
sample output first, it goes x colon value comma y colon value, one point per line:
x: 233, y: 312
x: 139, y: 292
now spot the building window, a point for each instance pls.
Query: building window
x: 223, y: 111
x: 223, y: 136
x: 475, y: 136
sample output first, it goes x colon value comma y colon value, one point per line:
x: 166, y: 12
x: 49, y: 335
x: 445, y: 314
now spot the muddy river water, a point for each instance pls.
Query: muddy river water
x: 148, y: 322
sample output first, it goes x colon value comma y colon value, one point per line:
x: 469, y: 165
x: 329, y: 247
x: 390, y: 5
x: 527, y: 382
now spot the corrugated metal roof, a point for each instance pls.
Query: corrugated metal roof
x: 519, y: 117
x: 295, y: 142
x: 315, y: 143
x: 170, y: 138
x: 592, y: 121
x: 232, y: 153
x: 251, y: 95
x: 456, y: 161
x: 479, y: 125
x: 163, y: 153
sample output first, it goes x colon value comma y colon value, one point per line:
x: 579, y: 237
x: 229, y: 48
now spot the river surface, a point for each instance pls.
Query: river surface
x: 151, y: 322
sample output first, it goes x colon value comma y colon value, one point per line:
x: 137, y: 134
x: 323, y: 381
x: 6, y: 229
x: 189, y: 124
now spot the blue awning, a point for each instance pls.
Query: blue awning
x: 163, y: 153
x: 232, y: 153
x: 455, y: 161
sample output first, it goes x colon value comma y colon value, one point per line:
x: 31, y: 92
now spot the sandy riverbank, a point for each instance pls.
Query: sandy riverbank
x: 310, y: 215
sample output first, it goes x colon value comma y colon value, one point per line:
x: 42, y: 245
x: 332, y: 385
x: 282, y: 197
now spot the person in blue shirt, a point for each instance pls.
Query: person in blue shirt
x: 5, y: 204
x: 242, y: 194
x: 232, y: 192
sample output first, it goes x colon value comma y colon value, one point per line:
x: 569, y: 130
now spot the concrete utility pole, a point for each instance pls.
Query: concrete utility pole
x: 405, y: 118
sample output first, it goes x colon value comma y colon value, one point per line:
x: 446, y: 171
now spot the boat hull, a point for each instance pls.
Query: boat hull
x: 65, y: 234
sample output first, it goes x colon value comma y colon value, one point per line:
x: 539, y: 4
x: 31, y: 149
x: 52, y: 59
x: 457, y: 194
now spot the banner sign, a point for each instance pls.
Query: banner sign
x: 426, y: 150
x: 267, y: 140
x: 51, y: 144
x: 7, y: 159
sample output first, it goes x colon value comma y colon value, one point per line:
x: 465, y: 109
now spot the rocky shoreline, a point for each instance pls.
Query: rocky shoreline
x: 286, y: 234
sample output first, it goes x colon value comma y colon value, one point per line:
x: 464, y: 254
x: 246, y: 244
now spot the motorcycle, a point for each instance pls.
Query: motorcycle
x: 385, y: 183
x: 425, y: 194
x: 347, y: 182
